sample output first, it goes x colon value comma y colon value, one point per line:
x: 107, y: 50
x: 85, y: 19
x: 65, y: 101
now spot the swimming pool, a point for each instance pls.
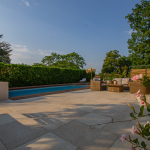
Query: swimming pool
x: 14, y: 93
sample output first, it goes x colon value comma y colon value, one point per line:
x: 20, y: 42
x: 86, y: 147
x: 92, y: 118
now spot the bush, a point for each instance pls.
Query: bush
x: 88, y: 76
x: 22, y: 75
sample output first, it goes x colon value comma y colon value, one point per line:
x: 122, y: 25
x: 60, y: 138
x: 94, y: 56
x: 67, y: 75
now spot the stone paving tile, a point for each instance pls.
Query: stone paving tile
x: 117, y: 105
x: 88, y: 108
x: 6, y: 101
x: 19, y: 106
x: 94, y: 119
x: 59, y: 119
x: 6, y: 118
x: 119, y: 127
x: 82, y: 136
x: 16, y: 133
x: 2, y: 147
x: 48, y: 141
x: 32, y: 99
x: 5, y: 110
x: 116, y: 115
x: 36, y: 113
x: 119, y: 145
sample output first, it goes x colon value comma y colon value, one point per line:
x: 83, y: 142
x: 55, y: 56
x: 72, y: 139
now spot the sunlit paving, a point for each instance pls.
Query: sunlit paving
x: 78, y: 125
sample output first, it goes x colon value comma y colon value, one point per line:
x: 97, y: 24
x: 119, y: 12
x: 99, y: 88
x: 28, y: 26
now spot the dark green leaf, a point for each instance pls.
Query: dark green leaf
x: 132, y: 115
x: 143, y: 144
x: 135, y: 140
x: 148, y: 108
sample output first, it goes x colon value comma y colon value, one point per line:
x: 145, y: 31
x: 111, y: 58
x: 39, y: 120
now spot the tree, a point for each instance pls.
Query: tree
x: 39, y: 64
x: 139, y: 44
x: 123, y: 65
x: 4, y: 52
x: 72, y: 60
x: 110, y: 62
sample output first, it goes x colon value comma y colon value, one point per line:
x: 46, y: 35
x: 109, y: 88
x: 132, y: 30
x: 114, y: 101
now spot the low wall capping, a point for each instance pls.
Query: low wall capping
x: 4, y: 90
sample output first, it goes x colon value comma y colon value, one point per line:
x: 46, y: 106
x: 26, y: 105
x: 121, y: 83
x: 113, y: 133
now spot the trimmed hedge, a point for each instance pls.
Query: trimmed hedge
x: 22, y: 75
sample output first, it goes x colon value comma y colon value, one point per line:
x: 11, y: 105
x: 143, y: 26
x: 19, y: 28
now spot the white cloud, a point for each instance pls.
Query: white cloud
x: 45, y: 52
x: 27, y: 3
x: 129, y: 32
x: 19, y: 48
x: 17, y: 55
x: 21, y: 54
x: 48, y: 52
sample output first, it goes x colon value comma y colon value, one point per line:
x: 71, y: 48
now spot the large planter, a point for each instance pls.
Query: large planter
x: 136, y: 85
x: 3, y: 90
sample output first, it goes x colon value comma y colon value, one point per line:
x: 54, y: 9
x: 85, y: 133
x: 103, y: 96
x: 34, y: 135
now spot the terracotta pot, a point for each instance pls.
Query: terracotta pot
x: 109, y: 82
x: 115, y: 82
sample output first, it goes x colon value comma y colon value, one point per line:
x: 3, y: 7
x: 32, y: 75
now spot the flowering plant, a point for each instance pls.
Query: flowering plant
x: 143, y: 78
x: 143, y: 131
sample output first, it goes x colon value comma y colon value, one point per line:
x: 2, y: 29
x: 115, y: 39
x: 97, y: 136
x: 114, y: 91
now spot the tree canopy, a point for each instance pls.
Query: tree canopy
x: 110, y: 61
x: 72, y: 60
x: 139, y: 44
x: 114, y: 62
x: 5, y: 49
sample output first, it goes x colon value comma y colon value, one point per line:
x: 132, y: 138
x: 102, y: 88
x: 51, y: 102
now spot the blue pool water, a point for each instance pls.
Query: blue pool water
x: 43, y: 90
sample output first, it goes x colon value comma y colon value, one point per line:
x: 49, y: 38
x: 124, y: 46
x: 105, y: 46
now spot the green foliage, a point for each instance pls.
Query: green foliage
x: 39, y: 64
x: 108, y: 76
x: 4, y: 52
x: 142, y: 131
x: 22, y: 75
x: 72, y: 61
x: 145, y: 80
x: 88, y: 76
x: 139, y: 44
x: 113, y: 62
x: 110, y: 61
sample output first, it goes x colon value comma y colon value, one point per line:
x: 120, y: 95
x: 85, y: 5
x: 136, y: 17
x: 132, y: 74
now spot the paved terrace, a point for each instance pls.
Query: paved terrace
x: 62, y: 121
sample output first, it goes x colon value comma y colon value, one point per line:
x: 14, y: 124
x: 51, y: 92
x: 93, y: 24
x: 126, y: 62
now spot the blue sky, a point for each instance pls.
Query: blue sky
x: 91, y: 28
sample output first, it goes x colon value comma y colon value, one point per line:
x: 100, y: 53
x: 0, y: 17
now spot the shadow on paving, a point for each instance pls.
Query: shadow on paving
x: 52, y: 128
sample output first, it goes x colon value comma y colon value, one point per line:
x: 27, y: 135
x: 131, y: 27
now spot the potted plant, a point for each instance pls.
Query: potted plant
x: 115, y: 82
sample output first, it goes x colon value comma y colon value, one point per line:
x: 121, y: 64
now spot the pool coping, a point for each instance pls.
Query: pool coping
x: 46, y: 93
x: 51, y: 85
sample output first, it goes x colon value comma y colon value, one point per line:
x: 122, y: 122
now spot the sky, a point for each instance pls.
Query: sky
x: 91, y: 28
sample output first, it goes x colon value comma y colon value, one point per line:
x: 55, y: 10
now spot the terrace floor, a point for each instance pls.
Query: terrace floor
x: 62, y: 121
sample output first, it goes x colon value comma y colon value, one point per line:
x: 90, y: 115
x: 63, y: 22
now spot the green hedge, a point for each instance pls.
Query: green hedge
x: 22, y: 75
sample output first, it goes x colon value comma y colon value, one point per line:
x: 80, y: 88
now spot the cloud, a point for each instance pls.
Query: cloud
x: 17, y: 55
x: 48, y: 52
x: 45, y: 52
x: 27, y: 3
x: 129, y: 32
x: 20, y: 53
x: 19, y: 48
